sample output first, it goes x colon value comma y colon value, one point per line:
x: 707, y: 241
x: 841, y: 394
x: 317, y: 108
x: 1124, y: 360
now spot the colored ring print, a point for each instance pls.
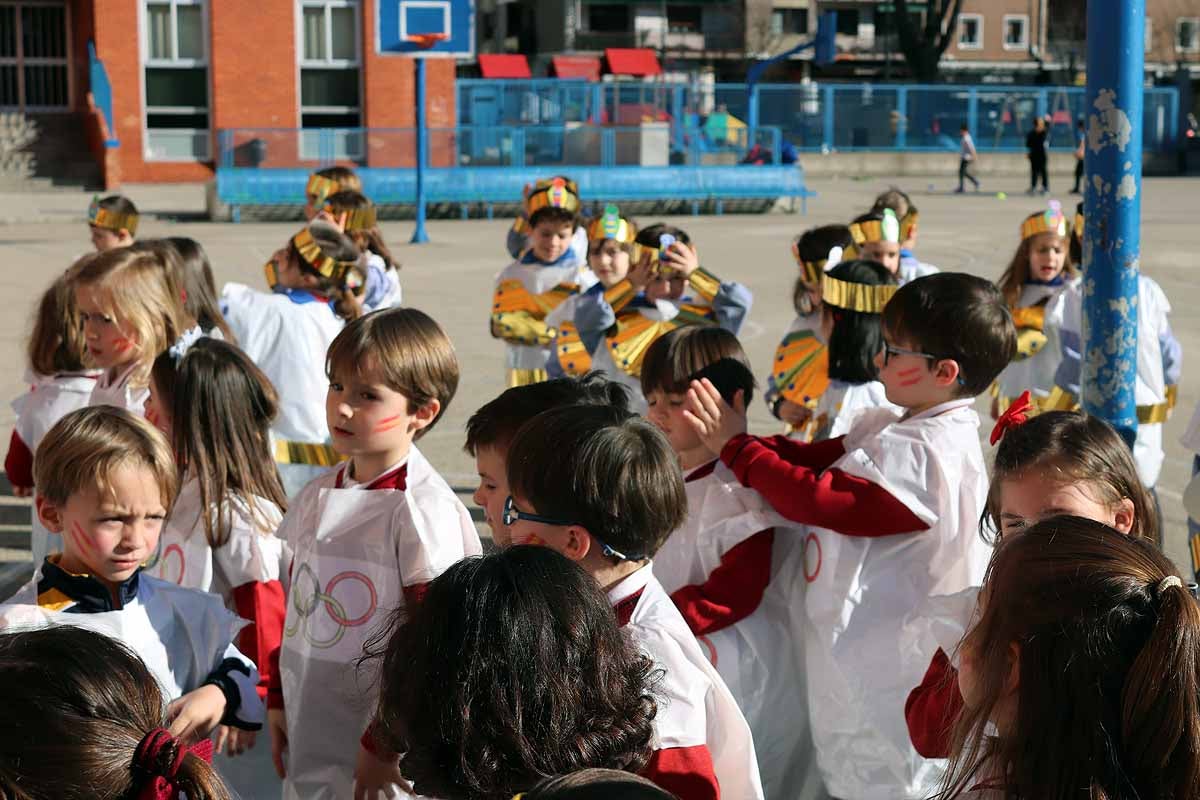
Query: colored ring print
x: 175, y: 548
x: 333, y: 607
x: 708, y: 647
x: 810, y: 575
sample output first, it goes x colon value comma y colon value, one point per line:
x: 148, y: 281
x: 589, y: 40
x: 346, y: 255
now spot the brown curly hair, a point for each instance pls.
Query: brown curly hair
x: 510, y: 670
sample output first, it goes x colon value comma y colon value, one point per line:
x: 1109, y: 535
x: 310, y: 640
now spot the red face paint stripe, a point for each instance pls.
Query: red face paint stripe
x: 912, y: 382
x: 907, y: 372
x: 82, y: 538
x: 388, y: 424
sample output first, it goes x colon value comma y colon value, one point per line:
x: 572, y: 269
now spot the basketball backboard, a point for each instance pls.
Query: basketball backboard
x: 400, y: 25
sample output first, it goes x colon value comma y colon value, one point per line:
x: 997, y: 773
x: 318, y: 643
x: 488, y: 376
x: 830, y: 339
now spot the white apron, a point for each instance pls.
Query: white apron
x: 117, y: 392
x: 843, y: 402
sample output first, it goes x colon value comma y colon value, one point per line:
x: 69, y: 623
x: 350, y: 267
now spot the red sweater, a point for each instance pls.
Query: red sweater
x: 933, y: 707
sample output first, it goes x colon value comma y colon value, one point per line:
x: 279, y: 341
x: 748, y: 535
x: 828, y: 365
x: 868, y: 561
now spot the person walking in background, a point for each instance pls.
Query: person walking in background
x: 1035, y: 141
x: 1080, y: 144
x: 966, y: 157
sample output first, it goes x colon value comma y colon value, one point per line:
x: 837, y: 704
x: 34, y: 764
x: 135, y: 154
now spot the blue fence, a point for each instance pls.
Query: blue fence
x: 813, y: 116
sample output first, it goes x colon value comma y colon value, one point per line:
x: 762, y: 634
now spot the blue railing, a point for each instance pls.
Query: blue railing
x: 101, y: 93
x: 814, y: 116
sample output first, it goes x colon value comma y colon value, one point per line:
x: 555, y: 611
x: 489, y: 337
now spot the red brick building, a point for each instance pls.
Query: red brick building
x: 182, y: 70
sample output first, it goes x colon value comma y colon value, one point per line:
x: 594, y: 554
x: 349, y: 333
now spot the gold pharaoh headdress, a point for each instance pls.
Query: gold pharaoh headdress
x: 316, y: 260
x: 111, y: 220
x: 321, y: 187
x: 1052, y: 220
x: 877, y: 230
x: 357, y: 219
x: 855, y: 296
x: 610, y: 225
x: 558, y: 193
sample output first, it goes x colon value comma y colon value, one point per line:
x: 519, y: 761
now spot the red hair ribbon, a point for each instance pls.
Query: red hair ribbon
x: 160, y: 782
x: 1014, y: 416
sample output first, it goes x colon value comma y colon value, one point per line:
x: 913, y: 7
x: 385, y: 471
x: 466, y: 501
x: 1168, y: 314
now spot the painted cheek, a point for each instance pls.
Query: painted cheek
x: 390, y: 423
x: 122, y: 344
x: 83, y: 540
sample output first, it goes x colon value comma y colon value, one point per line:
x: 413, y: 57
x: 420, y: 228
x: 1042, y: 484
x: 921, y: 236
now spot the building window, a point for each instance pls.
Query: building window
x: 684, y: 18
x: 608, y: 18
x: 330, y: 79
x: 970, y: 31
x: 1016, y: 31
x: 175, y: 56
x: 847, y: 21
x: 789, y: 21
x: 1187, y: 34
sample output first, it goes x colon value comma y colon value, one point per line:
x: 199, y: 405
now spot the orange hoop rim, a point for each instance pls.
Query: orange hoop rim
x: 427, y: 40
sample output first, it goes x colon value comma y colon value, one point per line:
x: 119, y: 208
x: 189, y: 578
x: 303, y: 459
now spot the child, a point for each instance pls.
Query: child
x: 216, y: 408
x: 1123, y: 720
x: 517, y: 241
x: 324, y: 183
x: 105, y: 481
x: 966, y: 157
x: 610, y: 248
x: 604, y: 489
x: 734, y: 578
x: 355, y: 216
x: 1159, y: 364
x: 1059, y: 462
x: 800, y: 371
x: 530, y: 291
x: 891, y: 510
x: 597, y: 784
x: 367, y: 538
x: 60, y: 383
x: 905, y: 210
x: 130, y: 310
x: 286, y: 332
x: 577, y: 692
x: 491, y: 429
x: 1036, y: 285
x: 199, y: 288
x: 112, y: 221
x: 627, y: 317
x: 90, y: 726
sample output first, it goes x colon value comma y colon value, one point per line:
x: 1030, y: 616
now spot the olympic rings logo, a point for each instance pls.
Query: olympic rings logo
x: 810, y: 575
x: 307, y: 607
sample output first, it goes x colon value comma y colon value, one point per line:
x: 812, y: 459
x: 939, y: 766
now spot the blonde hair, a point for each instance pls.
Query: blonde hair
x: 407, y: 348
x: 138, y: 289
x: 85, y: 447
x: 56, y: 343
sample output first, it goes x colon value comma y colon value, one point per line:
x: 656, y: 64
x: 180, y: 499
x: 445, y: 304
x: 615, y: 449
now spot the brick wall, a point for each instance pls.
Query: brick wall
x: 992, y: 13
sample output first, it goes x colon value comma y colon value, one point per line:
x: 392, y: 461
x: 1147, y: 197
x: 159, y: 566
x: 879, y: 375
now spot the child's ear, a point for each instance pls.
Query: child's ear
x: 49, y: 514
x: 424, y: 416
x: 579, y: 543
x: 1124, y: 515
x: 947, y: 372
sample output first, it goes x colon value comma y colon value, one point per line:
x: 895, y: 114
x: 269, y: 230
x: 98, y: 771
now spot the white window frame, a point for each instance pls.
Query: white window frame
x: 174, y: 62
x: 1194, y: 47
x: 1024, y: 43
x: 353, y: 147
x: 978, y: 19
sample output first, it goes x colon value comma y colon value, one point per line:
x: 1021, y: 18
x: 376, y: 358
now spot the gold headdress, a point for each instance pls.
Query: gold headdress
x: 813, y: 270
x: 321, y: 187
x: 557, y: 193
x: 908, y: 224
x: 1052, y: 220
x: 877, y: 230
x: 357, y: 219
x: 111, y: 220
x: 860, y: 297
x: 310, y: 251
x: 610, y: 225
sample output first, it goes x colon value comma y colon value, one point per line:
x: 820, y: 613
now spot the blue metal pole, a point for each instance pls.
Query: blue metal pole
x: 1112, y: 203
x: 419, y: 235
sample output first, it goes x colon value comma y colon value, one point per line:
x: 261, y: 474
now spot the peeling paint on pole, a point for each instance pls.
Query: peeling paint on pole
x: 1112, y: 210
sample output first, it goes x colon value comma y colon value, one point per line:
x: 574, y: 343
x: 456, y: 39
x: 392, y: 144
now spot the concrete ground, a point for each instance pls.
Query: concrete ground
x: 451, y: 279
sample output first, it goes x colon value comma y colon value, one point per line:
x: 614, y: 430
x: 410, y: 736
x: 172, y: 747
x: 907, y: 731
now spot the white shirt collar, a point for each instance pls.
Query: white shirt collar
x: 631, y: 584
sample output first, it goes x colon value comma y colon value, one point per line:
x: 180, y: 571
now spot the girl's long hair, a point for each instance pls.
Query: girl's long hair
x: 1107, y: 701
x: 199, y: 286
x: 370, y: 240
x: 857, y: 336
x: 222, y: 407
x: 56, y: 343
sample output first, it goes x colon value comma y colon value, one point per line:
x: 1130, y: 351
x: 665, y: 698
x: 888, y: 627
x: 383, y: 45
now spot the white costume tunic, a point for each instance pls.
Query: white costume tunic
x: 911, y: 269
x: 695, y: 707
x: 115, y: 390
x: 759, y: 656
x: 1039, y: 349
x: 520, y: 329
x: 359, y: 554
x: 842, y: 403
x: 602, y: 360
x: 49, y: 399
x: 860, y: 589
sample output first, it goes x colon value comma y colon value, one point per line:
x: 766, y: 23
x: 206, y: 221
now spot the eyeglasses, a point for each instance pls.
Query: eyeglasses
x: 512, y: 515
x: 889, y: 351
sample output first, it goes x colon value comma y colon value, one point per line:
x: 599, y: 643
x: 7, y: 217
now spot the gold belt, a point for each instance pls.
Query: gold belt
x: 317, y: 455
x: 1062, y: 400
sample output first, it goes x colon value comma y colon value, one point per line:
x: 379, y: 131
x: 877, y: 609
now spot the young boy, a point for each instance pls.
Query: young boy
x: 323, y: 184
x: 517, y: 240
x: 732, y: 569
x: 603, y: 488
x: 366, y: 538
x: 620, y: 322
x: 105, y: 481
x: 491, y: 429
x: 966, y: 157
x: 531, y: 293
x: 899, y: 202
x: 112, y: 221
x: 892, y: 510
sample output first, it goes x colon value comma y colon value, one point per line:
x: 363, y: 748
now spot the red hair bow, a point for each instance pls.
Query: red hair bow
x: 1014, y: 416
x: 159, y: 783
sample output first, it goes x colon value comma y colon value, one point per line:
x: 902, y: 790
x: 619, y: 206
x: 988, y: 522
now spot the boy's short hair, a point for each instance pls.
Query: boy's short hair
x: 694, y: 352
x: 85, y: 447
x: 497, y: 422
x: 815, y: 243
x: 555, y: 215
x: 115, y: 212
x: 895, y: 199
x: 648, y: 237
x: 602, y: 468
x: 957, y: 316
x: 344, y: 177
x: 408, y: 349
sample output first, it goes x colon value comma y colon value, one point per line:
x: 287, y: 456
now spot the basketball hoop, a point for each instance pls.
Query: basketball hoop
x: 425, y: 41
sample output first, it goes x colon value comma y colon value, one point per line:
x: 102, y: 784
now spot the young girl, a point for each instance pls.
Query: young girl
x: 327, y: 182
x: 577, y: 693
x: 84, y: 718
x: 216, y: 408
x: 199, y: 287
x: 735, y: 579
x: 1036, y: 286
x: 130, y: 310
x: 355, y: 215
x: 800, y: 371
x: 60, y: 383
x: 1058, y: 462
x: 1080, y: 676
x: 316, y: 281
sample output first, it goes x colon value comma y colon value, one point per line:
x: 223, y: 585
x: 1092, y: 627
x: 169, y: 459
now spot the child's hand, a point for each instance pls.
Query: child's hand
x: 794, y: 414
x: 641, y: 273
x: 682, y: 258
x: 714, y: 420
x: 376, y: 777
x: 277, y: 725
x: 234, y: 741
x: 194, y: 715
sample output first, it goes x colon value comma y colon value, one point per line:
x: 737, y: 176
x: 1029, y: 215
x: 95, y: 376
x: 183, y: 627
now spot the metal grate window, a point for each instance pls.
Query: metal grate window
x: 35, y: 70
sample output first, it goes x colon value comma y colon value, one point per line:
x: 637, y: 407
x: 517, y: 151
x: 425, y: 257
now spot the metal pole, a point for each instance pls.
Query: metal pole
x: 1111, y: 242
x: 419, y: 235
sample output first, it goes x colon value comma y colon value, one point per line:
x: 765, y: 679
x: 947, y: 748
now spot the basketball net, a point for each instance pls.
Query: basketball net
x: 426, y: 40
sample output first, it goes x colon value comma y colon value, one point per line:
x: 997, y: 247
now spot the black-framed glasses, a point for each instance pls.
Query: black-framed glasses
x: 889, y: 351
x: 511, y: 515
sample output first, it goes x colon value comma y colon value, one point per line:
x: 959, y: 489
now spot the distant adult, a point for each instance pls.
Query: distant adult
x: 1080, y: 143
x: 1035, y: 141
x: 966, y: 157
